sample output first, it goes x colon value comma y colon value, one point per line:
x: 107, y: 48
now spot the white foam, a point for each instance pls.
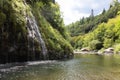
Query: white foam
x: 40, y: 62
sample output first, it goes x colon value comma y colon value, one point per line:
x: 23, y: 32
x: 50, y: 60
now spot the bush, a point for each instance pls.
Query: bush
x: 107, y: 43
x: 95, y: 45
x: 2, y: 18
x: 117, y: 48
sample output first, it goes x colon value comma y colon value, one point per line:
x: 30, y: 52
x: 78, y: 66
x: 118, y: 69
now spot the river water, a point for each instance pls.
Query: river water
x: 82, y: 67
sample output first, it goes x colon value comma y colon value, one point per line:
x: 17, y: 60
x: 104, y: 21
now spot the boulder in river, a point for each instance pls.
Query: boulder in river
x: 109, y: 51
x: 85, y: 49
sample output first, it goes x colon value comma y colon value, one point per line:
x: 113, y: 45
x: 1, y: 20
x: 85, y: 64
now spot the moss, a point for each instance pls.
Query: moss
x: 118, y: 13
x: 14, y: 35
x: 2, y: 18
x: 57, y: 45
x: 117, y: 48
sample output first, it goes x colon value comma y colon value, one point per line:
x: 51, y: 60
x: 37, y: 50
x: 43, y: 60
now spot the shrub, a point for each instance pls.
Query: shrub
x: 107, y: 43
x: 95, y: 45
x: 117, y: 48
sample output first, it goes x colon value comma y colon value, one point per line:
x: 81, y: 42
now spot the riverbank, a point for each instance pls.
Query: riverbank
x: 95, y: 52
x: 108, y: 51
x: 85, y: 52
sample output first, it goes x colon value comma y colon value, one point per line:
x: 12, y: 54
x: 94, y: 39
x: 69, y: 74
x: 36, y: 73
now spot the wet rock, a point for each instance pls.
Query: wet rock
x: 13, y: 48
x: 109, y: 51
x: 85, y: 49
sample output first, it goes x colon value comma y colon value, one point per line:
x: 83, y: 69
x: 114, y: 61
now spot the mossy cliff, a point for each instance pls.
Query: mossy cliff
x: 17, y: 43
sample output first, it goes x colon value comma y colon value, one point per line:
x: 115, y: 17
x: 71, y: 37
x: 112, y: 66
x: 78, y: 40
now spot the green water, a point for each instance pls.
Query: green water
x: 82, y: 67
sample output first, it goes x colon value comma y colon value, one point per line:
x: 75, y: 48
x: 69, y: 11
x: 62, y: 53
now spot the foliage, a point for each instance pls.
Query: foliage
x: 95, y: 45
x: 15, y: 45
x: 107, y: 43
x: 88, y: 24
x: 104, y: 36
x: 34, y: 1
x: 52, y: 14
x: 97, y: 32
x: 117, y: 48
x: 57, y: 45
x: 2, y: 19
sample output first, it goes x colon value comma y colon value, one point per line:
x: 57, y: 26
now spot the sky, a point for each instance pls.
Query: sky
x: 73, y: 10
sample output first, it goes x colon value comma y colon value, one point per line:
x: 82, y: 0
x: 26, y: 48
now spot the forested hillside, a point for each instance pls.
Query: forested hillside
x: 32, y: 30
x: 88, y: 24
x: 97, y: 32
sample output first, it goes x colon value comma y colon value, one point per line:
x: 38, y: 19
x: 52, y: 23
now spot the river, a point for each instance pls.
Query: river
x: 81, y: 67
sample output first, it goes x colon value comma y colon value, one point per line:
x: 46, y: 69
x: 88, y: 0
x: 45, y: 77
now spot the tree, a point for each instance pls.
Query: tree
x: 103, y: 12
x: 53, y: 1
x: 92, y: 14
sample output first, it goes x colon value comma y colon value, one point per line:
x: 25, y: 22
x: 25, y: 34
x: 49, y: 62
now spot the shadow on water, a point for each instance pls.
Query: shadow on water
x: 82, y: 67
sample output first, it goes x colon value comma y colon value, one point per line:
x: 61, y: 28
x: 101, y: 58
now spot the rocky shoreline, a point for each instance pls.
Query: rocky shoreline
x: 108, y: 51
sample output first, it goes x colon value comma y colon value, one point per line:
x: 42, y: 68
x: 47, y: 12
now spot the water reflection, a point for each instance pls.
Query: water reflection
x: 82, y: 67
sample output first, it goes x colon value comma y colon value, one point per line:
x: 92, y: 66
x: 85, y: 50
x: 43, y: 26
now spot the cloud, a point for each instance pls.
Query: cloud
x: 73, y: 10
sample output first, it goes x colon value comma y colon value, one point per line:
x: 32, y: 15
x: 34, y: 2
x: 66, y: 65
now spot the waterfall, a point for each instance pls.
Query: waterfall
x: 34, y: 32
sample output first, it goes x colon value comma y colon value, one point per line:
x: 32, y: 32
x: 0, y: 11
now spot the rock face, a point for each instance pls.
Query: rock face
x: 25, y: 34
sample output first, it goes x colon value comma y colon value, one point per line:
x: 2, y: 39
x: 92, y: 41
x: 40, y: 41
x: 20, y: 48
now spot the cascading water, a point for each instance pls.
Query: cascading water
x: 34, y: 32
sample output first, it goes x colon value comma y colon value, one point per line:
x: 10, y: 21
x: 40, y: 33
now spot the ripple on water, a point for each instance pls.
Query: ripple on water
x: 40, y: 62
x: 18, y: 66
x: 87, y: 67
